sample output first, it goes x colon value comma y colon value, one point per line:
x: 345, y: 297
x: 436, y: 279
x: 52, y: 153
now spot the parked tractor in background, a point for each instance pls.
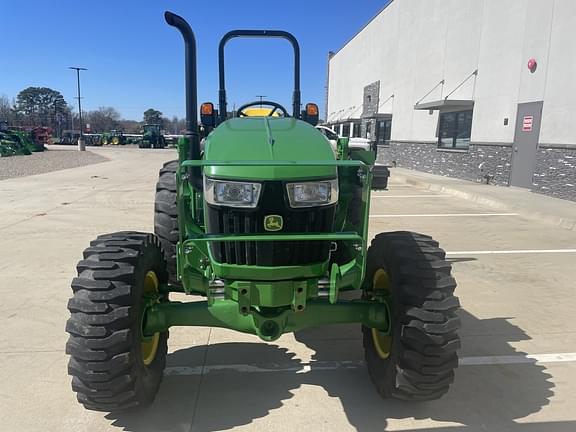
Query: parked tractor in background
x: 71, y: 137
x: 19, y: 141
x: 271, y: 227
x: 9, y: 146
x: 68, y: 137
x: 152, y: 137
x: 114, y: 137
x: 380, y: 173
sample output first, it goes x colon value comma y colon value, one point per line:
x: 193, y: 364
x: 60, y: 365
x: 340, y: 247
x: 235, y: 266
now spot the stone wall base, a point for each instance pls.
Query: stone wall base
x: 555, y: 171
x: 481, y: 162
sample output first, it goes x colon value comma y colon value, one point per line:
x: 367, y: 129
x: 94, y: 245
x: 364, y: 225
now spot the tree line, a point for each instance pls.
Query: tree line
x: 43, y: 106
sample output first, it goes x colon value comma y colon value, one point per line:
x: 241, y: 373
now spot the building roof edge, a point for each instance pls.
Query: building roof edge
x: 361, y: 29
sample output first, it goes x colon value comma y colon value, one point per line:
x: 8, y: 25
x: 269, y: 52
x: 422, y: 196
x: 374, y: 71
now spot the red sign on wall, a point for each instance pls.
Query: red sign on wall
x: 527, y: 123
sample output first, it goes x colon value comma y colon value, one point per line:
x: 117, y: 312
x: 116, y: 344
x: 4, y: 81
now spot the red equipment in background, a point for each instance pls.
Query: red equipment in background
x: 42, y: 135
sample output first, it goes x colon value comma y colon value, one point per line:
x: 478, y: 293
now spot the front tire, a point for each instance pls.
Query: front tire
x: 113, y: 366
x: 416, y: 361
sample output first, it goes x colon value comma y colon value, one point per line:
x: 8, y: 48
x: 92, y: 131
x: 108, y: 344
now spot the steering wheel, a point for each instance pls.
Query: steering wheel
x: 276, y: 106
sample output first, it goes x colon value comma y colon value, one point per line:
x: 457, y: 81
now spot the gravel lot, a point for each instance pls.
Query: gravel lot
x: 53, y: 159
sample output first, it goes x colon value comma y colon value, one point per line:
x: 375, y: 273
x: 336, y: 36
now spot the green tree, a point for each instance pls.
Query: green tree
x: 40, y: 106
x: 152, y: 116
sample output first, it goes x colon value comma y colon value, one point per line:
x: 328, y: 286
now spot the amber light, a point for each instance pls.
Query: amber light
x: 312, y: 109
x: 207, y: 108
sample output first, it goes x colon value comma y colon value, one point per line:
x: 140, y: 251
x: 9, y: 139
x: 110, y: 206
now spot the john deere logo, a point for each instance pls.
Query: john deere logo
x: 273, y: 223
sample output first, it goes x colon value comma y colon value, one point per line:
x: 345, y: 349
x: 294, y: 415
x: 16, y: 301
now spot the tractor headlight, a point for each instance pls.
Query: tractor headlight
x: 310, y: 194
x: 230, y: 193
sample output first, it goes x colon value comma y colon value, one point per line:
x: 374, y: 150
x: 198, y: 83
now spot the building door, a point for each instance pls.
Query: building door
x: 525, y: 143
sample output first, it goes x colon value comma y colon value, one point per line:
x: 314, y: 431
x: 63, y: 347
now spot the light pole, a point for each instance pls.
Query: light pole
x: 81, y: 146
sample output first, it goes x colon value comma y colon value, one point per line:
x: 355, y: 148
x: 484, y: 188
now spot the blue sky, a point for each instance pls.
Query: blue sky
x: 135, y: 59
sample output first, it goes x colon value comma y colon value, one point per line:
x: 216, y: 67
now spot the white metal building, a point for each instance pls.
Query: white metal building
x: 477, y: 89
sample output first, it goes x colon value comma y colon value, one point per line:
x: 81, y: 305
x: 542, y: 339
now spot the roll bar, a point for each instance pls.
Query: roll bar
x: 259, y: 34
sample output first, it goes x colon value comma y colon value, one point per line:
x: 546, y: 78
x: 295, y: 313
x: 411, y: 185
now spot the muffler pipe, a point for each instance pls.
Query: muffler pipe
x: 191, y: 93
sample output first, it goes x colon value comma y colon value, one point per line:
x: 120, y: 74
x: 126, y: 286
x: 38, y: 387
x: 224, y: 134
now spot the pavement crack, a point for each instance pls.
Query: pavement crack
x: 202, y: 375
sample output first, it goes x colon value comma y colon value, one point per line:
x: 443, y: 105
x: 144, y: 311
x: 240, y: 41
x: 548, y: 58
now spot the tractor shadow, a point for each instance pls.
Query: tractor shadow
x: 216, y: 400
x: 486, y: 397
x: 482, y: 397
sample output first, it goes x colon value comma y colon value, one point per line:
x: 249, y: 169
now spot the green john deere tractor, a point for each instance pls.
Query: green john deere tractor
x: 16, y: 142
x: 272, y: 229
x: 152, y: 137
x: 114, y: 137
x: 9, y: 146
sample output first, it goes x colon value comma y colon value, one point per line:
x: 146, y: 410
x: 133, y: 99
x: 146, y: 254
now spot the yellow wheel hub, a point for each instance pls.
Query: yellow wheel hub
x: 149, y: 345
x: 115, y: 141
x: 382, y: 341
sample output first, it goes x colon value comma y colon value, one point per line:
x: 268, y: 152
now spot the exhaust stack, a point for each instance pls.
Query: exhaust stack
x: 191, y: 91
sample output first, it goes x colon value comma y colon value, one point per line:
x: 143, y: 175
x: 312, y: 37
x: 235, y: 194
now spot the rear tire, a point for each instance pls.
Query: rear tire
x: 112, y: 366
x: 166, y: 216
x: 417, y: 362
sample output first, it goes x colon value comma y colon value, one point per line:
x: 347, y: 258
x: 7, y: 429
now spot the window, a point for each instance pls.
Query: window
x: 356, y: 130
x: 454, y: 129
x: 346, y: 130
x: 383, y: 128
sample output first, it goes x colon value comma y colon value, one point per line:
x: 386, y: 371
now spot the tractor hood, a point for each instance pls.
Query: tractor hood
x: 268, y: 139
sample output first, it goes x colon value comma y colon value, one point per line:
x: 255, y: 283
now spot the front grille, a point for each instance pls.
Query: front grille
x: 273, y: 200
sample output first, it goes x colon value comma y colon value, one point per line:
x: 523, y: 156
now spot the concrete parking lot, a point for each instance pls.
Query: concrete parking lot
x: 516, y: 284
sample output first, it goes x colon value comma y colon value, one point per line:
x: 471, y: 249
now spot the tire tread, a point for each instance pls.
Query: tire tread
x: 166, y: 216
x: 422, y: 368
x: 103, y: 321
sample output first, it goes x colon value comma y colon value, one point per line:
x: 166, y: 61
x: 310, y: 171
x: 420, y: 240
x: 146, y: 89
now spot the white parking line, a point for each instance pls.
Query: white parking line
x: 337, y: 365
x: 411, y: 196
x: 443, y: 215
x: 505, y: 252
x: 518, y: 359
